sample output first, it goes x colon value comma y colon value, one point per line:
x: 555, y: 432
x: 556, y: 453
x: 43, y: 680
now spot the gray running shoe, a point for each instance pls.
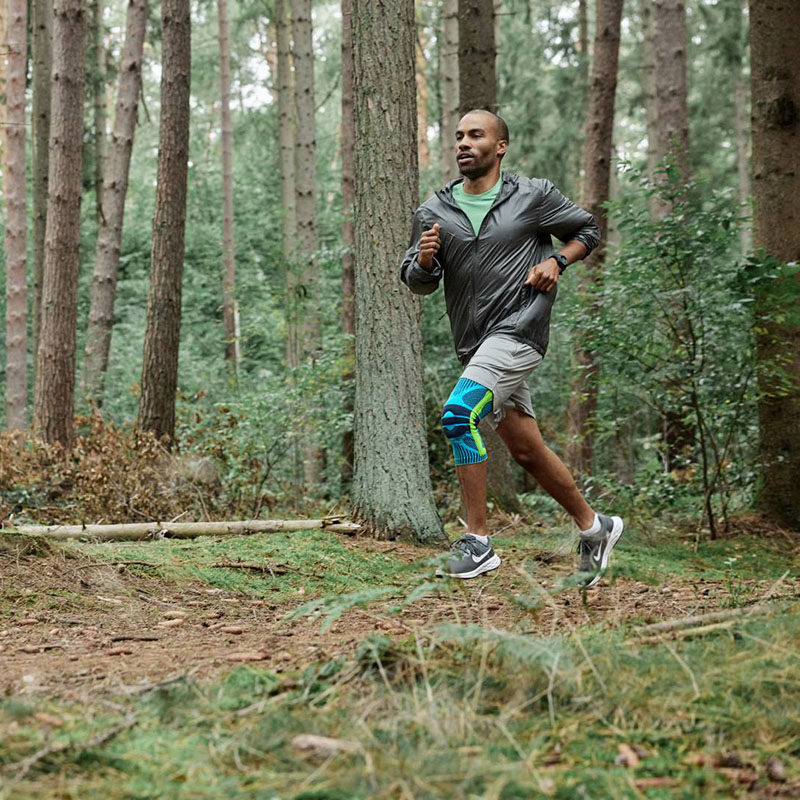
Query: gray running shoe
x: 595, y: 549
x: 470, y: 558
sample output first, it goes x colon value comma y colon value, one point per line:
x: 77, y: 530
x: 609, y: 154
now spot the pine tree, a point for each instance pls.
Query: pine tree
x: 162, y: 335
x: 391, y: 485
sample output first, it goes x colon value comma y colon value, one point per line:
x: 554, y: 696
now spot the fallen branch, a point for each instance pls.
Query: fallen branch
x: 705, y: 619
x: 278, y: 569
x: 686, y: 633
x: 142, y: 531
x: 23, y: 767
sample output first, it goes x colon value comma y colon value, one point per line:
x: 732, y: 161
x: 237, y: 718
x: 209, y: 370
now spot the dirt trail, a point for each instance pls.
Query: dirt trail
x: 73, y: 628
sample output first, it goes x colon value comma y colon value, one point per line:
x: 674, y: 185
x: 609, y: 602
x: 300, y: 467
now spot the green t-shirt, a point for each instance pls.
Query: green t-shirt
x: 476, y: 206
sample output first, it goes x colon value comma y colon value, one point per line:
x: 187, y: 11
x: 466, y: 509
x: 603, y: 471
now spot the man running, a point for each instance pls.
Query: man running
x: 488, y: 235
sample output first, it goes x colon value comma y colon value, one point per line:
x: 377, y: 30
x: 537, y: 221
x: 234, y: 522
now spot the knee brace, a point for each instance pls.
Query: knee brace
x: 467, y: 405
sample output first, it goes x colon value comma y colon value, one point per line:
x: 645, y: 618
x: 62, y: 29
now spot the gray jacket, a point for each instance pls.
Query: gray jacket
x: 484, y: 275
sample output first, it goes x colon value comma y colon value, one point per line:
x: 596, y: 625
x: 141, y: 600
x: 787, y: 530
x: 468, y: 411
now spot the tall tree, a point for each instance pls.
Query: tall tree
x: 162, y: 335
x: 477, y: 82
x: 115, y: 188
x: 421, y: 74
x: 775, y: 92
x: 230, y: 311
x: 16, y: 219
x: 42, y: 62
x: 287, y: 134
x: 391, y: 485
x: 54, y: 388
x: 665, y: 88
x: 449, y: 66
x: 597, y: 176
x: 304, y: 303
x: 348, y: 238
x: 97, y: 71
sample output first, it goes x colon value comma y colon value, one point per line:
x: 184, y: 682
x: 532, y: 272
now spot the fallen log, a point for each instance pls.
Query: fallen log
x: 706, y: 619
x: 143, y: 531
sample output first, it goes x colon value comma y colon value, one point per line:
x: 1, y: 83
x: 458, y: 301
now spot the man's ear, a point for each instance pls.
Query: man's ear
x: 502, y: 147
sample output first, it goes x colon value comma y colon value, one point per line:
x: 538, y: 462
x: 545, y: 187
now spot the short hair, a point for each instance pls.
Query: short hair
x: 502, y: 127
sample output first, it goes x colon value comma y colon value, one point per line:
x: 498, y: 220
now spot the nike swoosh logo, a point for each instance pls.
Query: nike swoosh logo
x: 478, y: 559
x: 596, y: 557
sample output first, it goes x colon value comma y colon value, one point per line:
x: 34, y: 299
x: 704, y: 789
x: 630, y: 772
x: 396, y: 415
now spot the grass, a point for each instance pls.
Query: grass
x: 454, y: 710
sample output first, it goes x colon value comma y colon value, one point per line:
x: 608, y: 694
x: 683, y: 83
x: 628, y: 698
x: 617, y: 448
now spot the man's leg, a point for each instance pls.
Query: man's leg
x: 472, y: 479
x: 522, y: 437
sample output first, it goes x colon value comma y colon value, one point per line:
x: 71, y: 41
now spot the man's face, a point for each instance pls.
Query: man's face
x: 478, y: 144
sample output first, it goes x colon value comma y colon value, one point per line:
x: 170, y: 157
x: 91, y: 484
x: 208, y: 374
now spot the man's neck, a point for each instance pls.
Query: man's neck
x: 483, y: 183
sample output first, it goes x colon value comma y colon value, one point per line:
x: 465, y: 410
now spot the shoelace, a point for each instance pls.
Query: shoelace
x: 466, y: 544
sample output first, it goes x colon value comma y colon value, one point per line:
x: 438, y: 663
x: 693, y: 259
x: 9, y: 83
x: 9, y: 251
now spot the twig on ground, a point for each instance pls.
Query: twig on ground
x: 148, y: 687
x: 23, y: 767
x: 701, y: 619
x: 125, y: 638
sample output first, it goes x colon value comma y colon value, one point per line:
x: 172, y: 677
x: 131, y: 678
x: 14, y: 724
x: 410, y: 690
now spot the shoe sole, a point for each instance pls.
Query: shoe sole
x: 613, y: 538
x: 488, y: 565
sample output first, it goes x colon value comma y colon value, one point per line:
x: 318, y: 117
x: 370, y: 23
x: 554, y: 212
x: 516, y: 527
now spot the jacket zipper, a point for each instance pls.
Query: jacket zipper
x: 497, y: 201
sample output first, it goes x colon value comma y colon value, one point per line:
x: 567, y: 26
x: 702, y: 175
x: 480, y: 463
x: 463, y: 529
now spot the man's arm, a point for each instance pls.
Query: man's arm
x: 560, y: 217
x: 421, y: 271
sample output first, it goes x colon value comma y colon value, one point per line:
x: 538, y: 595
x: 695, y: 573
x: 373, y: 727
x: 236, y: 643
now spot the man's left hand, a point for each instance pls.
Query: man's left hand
x: 544, y: 276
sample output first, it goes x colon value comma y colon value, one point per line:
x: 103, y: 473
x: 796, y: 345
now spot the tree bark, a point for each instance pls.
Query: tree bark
x: 665, y: 89
x: 391, y: 486
x: 742, y: 116
x: 305, y: 301
x: 230, y: 311
x: 477, y: 84
x: 42, y: 58
x: 287, y: 134
x: 581, y: 425
x: 14, y: 190
x: 348, y: 237
x: 162, y: 335
x: 449, y: 60
x: 775, y: 92
x: 55, y: 371
x: 115, y: 188
x: 98, y: 81
x: 421, y: 75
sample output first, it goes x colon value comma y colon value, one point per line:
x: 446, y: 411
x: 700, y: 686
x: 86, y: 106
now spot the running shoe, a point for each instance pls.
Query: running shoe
x: 595, y: 549
x: 469, y: 557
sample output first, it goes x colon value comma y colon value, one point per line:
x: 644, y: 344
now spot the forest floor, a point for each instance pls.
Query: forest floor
x: 200, y: 661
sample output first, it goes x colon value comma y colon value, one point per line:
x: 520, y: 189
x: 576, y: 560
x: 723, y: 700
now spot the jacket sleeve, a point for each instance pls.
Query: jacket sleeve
x: 560, y: 217
x: 419, y: 280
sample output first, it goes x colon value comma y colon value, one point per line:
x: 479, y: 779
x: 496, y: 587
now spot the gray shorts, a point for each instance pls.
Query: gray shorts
x: 502, y: 364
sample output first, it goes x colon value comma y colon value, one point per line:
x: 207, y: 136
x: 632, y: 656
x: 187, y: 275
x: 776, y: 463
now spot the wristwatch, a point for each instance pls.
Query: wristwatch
x: 562, y: 262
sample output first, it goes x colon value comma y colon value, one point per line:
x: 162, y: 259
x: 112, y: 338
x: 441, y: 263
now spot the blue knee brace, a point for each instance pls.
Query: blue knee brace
x: 467, y: 405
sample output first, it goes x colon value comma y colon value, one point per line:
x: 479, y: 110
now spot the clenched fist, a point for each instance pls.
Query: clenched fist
x: 429, y: 244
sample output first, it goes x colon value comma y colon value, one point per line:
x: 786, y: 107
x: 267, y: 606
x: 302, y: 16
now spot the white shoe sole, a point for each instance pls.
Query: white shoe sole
x: 487, y: 566
x: 613, y: 538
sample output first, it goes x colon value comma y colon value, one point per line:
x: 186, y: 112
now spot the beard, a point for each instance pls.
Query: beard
x: 475, y: 168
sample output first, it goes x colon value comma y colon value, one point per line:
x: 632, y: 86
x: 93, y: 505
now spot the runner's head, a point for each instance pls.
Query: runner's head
x: 481, y: 143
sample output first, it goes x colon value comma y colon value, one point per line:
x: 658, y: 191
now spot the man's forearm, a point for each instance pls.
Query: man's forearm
x: 574, y: 250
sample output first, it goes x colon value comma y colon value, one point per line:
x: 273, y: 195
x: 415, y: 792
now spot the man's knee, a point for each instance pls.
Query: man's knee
x: 468, y: 403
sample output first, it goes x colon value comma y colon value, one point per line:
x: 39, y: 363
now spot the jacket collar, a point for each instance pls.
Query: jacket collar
x: 510, y: 184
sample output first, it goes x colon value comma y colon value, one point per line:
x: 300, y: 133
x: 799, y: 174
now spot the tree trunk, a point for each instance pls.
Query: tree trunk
x: 230, y: 312
x: 162, y: 336
x: 115, y: 188
x: 665, y: 89
x: 391, y: 486
x: 55, y: 372
x: 477, y: 84
x: 742, y: 116
x: 14, y: 190
x: 98, y: 80
x: 449, y: 59
x: 775, y: 92
x: 348, y: 238
x: 597, y: 174
x: 304, y: 303
x: 42, y: 58
x: 421, y: 74
x: 287, y: 134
